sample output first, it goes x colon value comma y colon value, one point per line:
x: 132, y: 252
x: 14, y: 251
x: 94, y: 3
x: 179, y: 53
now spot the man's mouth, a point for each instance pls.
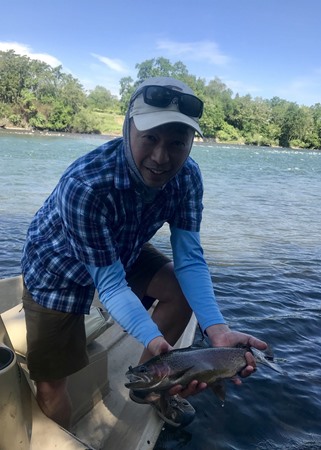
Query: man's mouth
x: 156, y: 171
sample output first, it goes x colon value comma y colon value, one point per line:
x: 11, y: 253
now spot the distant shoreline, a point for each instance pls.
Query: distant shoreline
x: 31, y: 132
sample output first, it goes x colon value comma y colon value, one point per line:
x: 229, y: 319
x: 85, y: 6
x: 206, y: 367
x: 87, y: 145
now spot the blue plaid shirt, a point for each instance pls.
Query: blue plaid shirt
x: 95, y: 216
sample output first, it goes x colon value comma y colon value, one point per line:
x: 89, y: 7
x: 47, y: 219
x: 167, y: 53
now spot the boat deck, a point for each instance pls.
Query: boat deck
x: 104, y: 416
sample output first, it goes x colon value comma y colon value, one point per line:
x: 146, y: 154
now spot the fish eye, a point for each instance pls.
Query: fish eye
x: 143, y: 369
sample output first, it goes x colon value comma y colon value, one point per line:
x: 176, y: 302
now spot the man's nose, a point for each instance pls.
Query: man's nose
x: 160, y: 154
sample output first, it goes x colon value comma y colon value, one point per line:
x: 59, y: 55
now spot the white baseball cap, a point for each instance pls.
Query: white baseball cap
x: 146, y: 116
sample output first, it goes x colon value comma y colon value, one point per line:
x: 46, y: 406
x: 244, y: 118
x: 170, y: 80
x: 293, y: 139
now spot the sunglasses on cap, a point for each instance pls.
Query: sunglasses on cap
x: 161, y: 97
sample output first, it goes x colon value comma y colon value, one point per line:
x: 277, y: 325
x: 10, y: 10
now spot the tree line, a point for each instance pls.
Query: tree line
x: 33, y: 94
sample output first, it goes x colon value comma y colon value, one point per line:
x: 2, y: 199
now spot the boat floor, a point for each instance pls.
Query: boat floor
x: 114, y: 421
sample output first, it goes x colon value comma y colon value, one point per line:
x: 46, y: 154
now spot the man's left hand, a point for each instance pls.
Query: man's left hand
x: 221, y: 336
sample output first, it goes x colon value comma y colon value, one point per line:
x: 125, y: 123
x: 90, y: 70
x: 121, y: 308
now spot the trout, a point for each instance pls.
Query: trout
x: 210, y: 365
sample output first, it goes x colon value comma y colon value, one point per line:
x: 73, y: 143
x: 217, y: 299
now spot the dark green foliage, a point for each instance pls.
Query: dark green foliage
x: 34, y: 94
x: 126, y: 90
x: 37, y: 94
x: 101, y: 99
x: 240, y: 119
x: 85, y: 122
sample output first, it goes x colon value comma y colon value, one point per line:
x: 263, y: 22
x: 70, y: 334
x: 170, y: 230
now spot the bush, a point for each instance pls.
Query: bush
x: 85, y: 122
x: 228, y: 133
x: 39, y: 121
x: 15, y: 119
x: 5, y: 110
x: 297, y: 143
x: 60, y: 117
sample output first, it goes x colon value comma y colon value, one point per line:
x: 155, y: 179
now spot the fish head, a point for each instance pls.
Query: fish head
x: 148, y: 376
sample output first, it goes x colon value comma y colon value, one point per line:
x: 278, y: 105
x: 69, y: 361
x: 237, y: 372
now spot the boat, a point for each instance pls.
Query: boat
x: 103, y: 417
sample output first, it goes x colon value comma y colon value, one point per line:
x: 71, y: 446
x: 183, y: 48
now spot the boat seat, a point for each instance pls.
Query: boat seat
x: 87, y: 386
x: 14, y: 319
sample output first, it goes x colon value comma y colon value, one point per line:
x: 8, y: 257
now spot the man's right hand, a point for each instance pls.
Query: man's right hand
x: 158, y: 346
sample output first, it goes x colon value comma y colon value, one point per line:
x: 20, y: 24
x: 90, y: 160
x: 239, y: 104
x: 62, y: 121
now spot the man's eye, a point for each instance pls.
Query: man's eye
x: 150, y: 137
x: 179, y: 144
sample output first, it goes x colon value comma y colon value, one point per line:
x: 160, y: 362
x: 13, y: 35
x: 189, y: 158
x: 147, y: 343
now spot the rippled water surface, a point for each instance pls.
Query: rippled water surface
x: 261, y: 238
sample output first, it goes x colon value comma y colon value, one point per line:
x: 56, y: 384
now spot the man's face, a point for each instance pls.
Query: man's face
x: 160, y: 152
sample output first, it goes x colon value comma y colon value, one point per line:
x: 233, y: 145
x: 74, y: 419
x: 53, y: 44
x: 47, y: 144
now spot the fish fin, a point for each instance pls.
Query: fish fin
x: 219, y: 390
x: 268, y: 353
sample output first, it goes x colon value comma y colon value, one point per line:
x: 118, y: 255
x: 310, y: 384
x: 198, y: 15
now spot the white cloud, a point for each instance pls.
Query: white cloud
x: 25, y: 50
x: 113, y: 64
x: 196, y: 51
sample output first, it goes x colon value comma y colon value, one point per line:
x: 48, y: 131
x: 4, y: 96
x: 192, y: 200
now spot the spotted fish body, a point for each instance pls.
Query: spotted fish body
x: 209, y: 365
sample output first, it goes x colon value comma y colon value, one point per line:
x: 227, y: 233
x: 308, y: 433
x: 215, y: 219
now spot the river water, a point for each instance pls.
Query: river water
x: 261, y: 238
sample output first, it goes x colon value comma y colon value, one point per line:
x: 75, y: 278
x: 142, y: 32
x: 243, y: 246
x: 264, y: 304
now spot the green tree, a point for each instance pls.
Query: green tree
x: 154, y: 68
x: 296, y: 126
x: 126, y: 90
x: 279, y: 107
x: 160, y: 67
x: 34, y: 93
x: 101, y: 98
x: 13, y: 75
x: 253, y: 117
x: 212, y: 119
x: 218, y: 90
x: 38, y: 93
x: 71, y: 93
x: 316, y: 114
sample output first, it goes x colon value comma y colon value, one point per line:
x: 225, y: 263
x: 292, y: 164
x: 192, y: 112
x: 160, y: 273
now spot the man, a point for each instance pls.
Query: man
x: 94, y: 231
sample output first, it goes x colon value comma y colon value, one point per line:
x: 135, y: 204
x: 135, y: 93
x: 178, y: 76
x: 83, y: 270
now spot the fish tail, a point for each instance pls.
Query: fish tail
x: 267, y: 360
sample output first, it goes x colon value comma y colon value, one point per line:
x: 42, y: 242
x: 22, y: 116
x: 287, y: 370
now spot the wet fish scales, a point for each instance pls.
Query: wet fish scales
x: 184, y: 365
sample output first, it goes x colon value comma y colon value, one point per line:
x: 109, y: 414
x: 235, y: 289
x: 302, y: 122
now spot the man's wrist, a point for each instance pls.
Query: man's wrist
x: 214, y: 332
x: 158, y: 345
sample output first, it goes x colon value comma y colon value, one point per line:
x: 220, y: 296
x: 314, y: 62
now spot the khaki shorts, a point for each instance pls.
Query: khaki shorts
x: 56, y: 340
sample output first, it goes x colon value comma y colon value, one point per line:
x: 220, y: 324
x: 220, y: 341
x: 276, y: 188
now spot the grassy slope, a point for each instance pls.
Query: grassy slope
x: 109, y: 123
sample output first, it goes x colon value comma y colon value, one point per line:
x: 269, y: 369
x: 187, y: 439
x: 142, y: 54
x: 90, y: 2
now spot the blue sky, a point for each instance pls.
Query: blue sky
x: 265, y: 48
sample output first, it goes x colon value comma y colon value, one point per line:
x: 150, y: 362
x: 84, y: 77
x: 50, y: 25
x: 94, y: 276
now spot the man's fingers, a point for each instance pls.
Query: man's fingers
x: 250, y: 359
x: 247, y: 371
x: 192, y: 389
x: 257, y: 343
